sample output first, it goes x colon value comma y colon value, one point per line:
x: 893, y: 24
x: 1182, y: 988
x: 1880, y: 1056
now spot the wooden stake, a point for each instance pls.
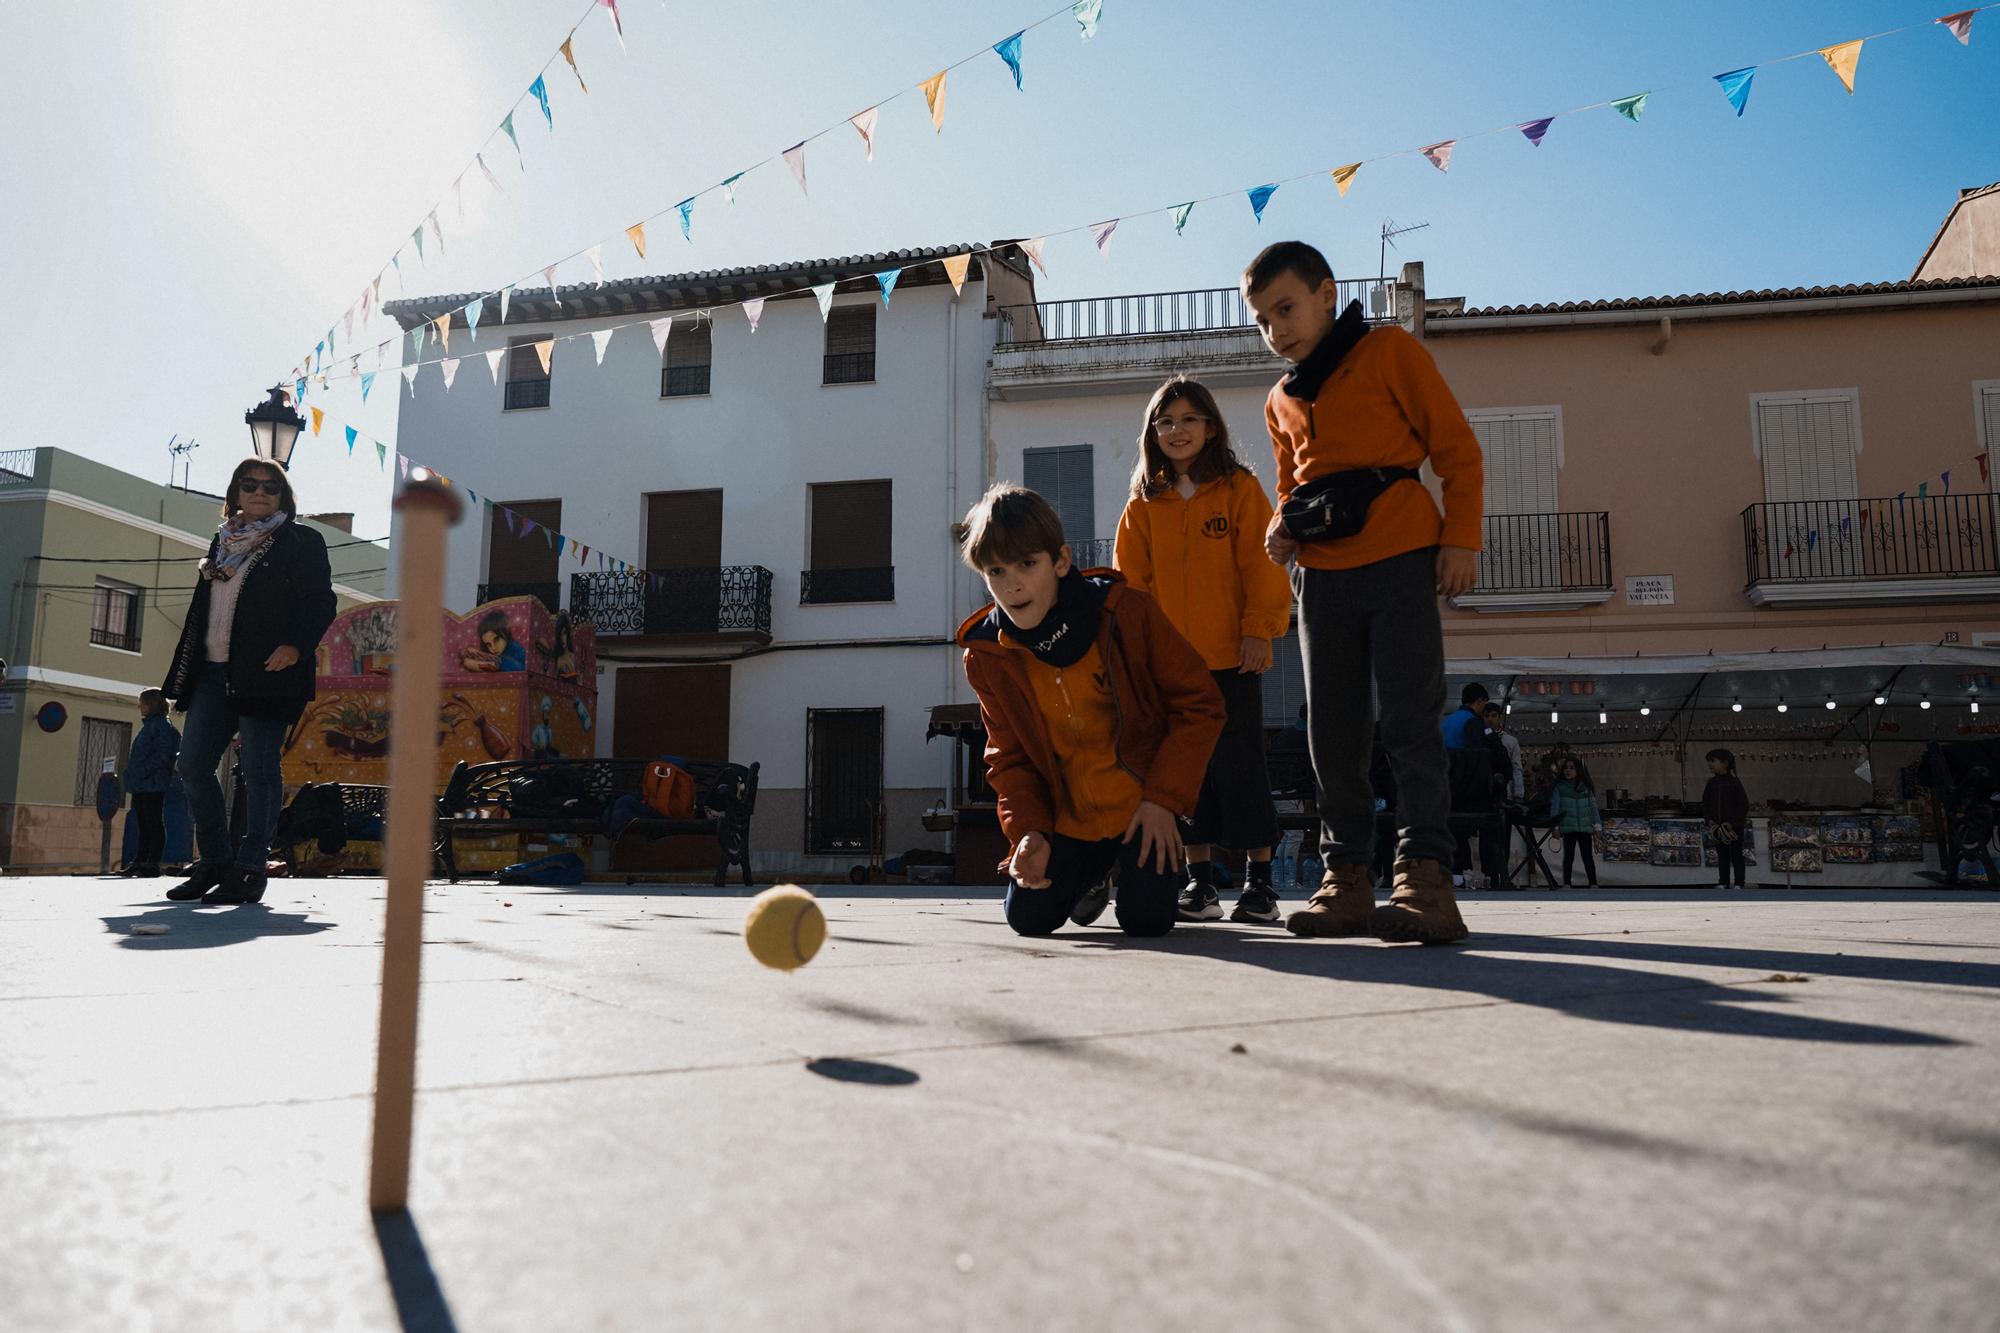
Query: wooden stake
x: 427, y: 507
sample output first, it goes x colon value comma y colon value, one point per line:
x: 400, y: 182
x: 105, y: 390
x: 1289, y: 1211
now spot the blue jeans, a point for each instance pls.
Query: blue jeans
x: 212, y: 722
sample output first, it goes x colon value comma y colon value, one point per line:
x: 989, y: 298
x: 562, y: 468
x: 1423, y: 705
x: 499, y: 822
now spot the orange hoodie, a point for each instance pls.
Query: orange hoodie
x: 1385, y: 405
x: 1203, y: 560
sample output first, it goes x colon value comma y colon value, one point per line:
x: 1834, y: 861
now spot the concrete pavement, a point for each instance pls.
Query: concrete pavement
x: 1623, y: 1110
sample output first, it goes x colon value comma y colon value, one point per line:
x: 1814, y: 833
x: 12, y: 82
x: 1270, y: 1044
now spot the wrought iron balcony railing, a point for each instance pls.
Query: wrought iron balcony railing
x: 548, y: 594
x: 1905, y: 537
x: 1164, y: 312
x: 1534, y: 553
x: 1093, y: 554
x: 686, y: 603
x: 822, y: 587
x: 527, y: 393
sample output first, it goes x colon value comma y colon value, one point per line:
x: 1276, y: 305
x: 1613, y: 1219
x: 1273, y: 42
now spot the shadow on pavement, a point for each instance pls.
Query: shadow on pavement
x: 863, y: 1071
x: 420, y: 1302
x: 191, y: 929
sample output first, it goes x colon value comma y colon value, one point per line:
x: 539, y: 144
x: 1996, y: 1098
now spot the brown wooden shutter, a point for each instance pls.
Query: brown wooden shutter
x: 851, y: 525
x: 684, y: 530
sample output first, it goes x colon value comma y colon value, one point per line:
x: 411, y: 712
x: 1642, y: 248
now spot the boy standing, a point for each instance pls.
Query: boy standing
x: 1099, y: 722
x: 1351, y: 423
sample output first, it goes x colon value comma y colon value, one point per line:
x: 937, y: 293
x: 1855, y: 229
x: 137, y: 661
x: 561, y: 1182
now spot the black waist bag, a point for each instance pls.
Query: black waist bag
x: 1328, y: 508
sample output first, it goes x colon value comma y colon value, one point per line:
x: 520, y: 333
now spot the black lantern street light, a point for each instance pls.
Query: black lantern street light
x: 274, y: 428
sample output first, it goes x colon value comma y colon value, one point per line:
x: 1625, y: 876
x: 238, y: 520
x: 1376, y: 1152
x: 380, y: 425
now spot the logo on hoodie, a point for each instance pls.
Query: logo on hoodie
x: 1048, y: 645
x: 1216, y: 527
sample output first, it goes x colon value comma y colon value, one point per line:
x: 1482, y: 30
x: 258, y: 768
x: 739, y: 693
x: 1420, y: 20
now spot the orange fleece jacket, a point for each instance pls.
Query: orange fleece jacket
x: 1386, y: 405
x: 1203, y: 560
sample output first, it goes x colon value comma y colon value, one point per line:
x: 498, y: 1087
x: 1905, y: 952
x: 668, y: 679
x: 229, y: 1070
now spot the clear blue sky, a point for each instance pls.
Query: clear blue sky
x: 195, y: 191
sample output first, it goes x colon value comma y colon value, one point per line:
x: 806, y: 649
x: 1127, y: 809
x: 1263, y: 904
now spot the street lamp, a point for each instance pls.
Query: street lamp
x: 274, y: 428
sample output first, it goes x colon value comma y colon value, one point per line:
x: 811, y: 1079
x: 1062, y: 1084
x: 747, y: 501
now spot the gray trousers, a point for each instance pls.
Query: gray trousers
x: 1373, y: 647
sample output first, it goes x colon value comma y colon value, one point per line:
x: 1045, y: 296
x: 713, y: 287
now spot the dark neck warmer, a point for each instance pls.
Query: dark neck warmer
x: 1304, y: 379
x: 1069, y: 628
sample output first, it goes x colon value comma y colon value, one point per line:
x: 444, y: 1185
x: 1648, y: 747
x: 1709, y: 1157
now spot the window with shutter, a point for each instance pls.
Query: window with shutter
x: 690, y: 357
x: 1522, y: 455
x: 849, y: 544
x: 850, y: 344
x: 1807, y: 444
x: 1065, y: 478
x: 527, y: 382
x: 114, y: 615
x: 1989, y: 422
x: 520, y: 562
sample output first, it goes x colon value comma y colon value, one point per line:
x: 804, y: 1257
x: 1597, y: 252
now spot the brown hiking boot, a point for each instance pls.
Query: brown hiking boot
x: 1340, y: 907
x: 1421, y: 909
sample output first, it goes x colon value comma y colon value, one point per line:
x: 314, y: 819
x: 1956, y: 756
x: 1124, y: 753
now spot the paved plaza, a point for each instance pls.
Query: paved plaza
x: 1626, y: 1110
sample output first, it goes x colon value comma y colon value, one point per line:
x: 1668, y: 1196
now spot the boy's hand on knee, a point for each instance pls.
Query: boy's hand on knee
x: 1457, y: 570
x: 1030, y: 865
x: 1255, y: 657
x: 1159, y: 836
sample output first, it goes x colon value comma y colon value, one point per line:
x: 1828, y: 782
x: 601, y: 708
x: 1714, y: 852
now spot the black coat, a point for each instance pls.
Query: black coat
x: 286, y: 598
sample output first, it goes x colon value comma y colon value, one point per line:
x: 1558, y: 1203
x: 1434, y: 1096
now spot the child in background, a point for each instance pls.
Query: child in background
x: 148, y: 769
x: 1972, y: 817
x: 1192, y: 535
x: 1574, y: 808
x: 1726, y: 807
x: 1099, y: 722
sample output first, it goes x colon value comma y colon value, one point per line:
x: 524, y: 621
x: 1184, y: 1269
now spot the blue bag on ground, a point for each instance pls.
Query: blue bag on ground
x: 561, y: 870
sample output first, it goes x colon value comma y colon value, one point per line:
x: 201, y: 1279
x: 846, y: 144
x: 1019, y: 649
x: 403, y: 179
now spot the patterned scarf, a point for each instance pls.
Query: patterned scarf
x: 237, y: 539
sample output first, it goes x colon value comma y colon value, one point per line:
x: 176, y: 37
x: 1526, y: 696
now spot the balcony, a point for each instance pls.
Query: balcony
x: 848, y: 368
x: 1881, y: 552
x: 732, y: 603
x: 827, y: 587
x: 527, y: 393
x: 548, y: 594
x: 1542, y: 562
x: 1093, y: 554
x: 1114, y: 343
x: 684, y: 381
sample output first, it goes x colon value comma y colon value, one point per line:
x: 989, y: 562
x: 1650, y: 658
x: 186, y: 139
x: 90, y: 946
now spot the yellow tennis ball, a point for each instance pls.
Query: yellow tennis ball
x: 784, y: 928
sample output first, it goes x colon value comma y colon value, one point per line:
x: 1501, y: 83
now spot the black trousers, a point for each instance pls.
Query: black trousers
x: 1728, y: 858
x: 1235, y: 809
x: 1147, y: 899
x: 149, y: 808
x: 1572, y: 843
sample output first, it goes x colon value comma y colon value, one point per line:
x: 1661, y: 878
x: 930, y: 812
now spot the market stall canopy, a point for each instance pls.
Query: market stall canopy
x: 954, y: 720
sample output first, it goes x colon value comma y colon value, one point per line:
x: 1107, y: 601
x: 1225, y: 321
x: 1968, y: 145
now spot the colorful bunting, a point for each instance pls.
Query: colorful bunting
x: 1009, y: 50
x: 443, y: 323
x: 887, y: 278
x: 686, y: 210
x: 381, y: 454
x: 661, y: 327
x: 491, y: 179
x: 795, y: 158
x: 367, y: 383
x: 1033, y: 249
x: 595, y: 254
x: 636, y: 233
x: 617, y: 23
x: 1960, y: 25
x: 1736, y: 86
x: 1344, y: 177
x: 506, y: 295
x: 507, y: 125
x: 823, y: 293
x: 493, y: 362
x: 1260, y: 195
x: 864, y: 125
x: 540, y: 89
x: 410, y: 377
x: 1100, y: 232
x: 450, y: 368
x: 351, y: 434
x: 417, y: 339
x: 1841, y: 58
x: 1631, y: 107
x: 602, y: 338
x: 753, y: 310
x: 418, y: 237
x: 1947, y: 481
x: 473, y: 310
x: 934, y: 94
x: 319, y: 416
x: 549, y: 276
x: 570, y: 56
x: 1087, y: 13
x: 1181, y: 212
x: 545, y: 349
x: 1985, y: 476
x: 1440, y: 154
x: 955, y: 267
x: 436, y: 230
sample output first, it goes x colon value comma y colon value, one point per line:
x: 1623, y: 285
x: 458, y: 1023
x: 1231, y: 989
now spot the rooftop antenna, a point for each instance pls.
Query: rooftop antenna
x: 1390, y: 231
x: 179, y: 450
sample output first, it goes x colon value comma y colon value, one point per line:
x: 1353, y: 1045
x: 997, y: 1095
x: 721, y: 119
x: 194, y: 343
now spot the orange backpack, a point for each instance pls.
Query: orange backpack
x: 668, y: 790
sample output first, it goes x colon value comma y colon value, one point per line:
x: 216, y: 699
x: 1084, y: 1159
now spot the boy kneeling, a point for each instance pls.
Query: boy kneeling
x: 1099, y: 721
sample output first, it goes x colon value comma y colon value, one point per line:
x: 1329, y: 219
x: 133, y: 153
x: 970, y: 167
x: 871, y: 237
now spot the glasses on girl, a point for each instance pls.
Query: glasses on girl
x: 1167, y: 425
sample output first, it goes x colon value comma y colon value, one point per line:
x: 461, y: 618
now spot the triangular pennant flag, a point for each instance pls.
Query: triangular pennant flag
x: 545, y: 349
x: 686, y: 210
x: 403, y: 465
x: 1960, y: 25
x: 729, y: 187
x: 367, y: 383
x: 353, y: 366
x: 934, y: 94
x: 351, y: 436
x: 661, y: 327
x: 381, y: 454
x: 582, y: 554
x: 549, y: 276
x: 1087, y: 13
x: 396, y: 262
x: 347, y: 324
x: 864, y: 125
x: 540, y: 89
x: 795, y: 158
x: 823, y: 293
x: 1033, y: 249
x: 319, y: 416
x: 1260, y: 195
x: 437, y: 232
x: 955, y: 267
x: 1344, y: 177
x: 1100, y: 232
x: 507, y: 125
x: 487, y: 172
x: 1440, y: 154
x: 299, y: 390
x: 1985, y: 476
x: 376, y: 287
x: 1009, y: 50
x: 636, y: 233
x: 1535, y: 129
x: 1923, y: 490
x: 617, y: 23
x: 1736, y: 86
x: 493, y: 362
x: 553, y: 538
x: 506, y: 296
x: 570, y: 56
x: 1631, y: 107
x: 417, y: 340
x: 601, y: 337
x: 887, y: 277
x: 443, y: 323
x: 1181, y: 212
x: 450, y: 368
x: 458, y: 196
x: 595, y: 254
x: 410, y: 377
x: 473, y: 310
x: 753, y: 310
x: 1947, y: 481
x: 418, y: 237
x: 1841, y: 58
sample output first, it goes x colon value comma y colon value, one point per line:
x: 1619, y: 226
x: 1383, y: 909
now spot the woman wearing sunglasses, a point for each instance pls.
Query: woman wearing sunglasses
x: 244, y: 667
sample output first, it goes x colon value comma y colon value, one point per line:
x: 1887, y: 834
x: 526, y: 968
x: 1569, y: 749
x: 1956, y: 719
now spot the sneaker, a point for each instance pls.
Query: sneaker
x: 1421, y: 908
x: 1256, y: 903
x: 1091, y: 906
x: 1340, y: 907
x: 1199, y: 903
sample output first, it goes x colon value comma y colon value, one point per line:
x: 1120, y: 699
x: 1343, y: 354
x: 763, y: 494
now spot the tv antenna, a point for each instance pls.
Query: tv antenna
x: 179, y: 449
x: 1390, y: 231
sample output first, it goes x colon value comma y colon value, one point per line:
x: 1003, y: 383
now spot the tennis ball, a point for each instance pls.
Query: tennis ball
x: 784, y: 928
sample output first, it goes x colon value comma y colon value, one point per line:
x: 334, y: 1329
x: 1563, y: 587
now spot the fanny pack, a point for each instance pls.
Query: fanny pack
x: 1328, y: 508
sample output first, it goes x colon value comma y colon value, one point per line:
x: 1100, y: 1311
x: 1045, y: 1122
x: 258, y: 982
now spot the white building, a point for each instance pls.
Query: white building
x: 794, y: 487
